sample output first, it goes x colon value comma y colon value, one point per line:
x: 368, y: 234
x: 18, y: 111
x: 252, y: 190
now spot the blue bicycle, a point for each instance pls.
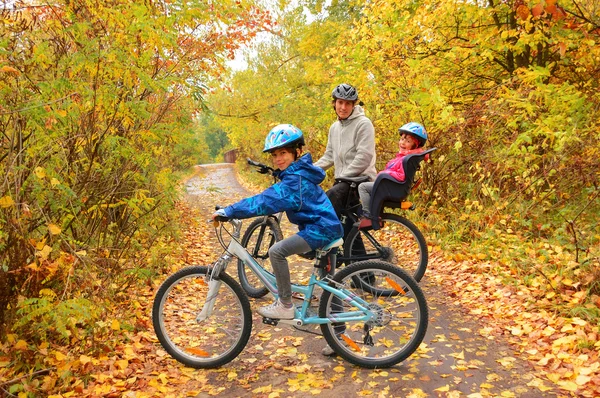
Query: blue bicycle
x: 202, y: 316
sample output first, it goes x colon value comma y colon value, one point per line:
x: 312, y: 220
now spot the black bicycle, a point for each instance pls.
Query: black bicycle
x: 394, y: 239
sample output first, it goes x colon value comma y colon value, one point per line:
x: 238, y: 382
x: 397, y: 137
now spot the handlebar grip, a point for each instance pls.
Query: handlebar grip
x: 254, y: 163
x: 263, y: 168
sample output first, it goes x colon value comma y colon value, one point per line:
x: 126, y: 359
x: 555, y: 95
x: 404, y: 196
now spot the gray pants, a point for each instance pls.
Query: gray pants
x: 295, y: 244
x: 364, y: 191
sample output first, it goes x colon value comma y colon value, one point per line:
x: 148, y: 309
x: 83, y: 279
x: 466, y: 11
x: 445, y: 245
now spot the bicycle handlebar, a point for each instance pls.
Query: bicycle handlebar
x: 263, y: 168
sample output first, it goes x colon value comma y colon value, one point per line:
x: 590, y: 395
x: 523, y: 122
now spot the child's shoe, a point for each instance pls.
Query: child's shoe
x: 365, y: 222
x: 327, y: 351
x: 277, y: 310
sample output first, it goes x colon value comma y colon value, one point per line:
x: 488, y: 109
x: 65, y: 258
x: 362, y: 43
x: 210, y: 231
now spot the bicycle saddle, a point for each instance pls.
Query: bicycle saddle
x: 336, y: 243
x: 353, y: 181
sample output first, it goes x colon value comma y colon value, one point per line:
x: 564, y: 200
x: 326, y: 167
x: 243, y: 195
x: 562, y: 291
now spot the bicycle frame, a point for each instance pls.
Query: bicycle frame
x: 235, y: 249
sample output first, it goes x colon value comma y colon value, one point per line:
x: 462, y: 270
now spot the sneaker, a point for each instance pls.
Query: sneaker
x: 327, y: 351
x: 277, y: 311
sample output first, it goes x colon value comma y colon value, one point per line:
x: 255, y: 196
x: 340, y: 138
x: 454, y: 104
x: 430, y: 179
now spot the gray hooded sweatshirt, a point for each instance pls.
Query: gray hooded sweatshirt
x: 351, y: 147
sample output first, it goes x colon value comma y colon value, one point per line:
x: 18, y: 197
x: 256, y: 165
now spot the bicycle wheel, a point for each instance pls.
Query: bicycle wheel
x: 396, y: 330
x: 258, y: 239
x: 399, y: 241
x: 179, y: 305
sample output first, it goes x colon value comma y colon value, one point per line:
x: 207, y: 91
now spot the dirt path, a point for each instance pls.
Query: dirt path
x: 460, y: 356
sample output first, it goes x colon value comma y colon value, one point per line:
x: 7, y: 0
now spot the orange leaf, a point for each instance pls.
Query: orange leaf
x: 523, y: 12
x: 351, y: 343
x: 9, y: 69
x: 562, y: 49
x: 537, y: 10
x: 197, y: 351
x: 395, y: 285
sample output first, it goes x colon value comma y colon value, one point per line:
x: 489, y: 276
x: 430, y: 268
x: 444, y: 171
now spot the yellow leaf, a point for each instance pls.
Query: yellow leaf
x: 417, y: 393
x: 582, y: 380
x: 21, y: 345
x: 54, y: 229
x: 54, y: 182
x: 84, y: 359
x: 443, y: 389
x: 568, y: 385
x: 40, y: 173
x: 516, y: 331
x: 60, y: 356
x: 339, y: 369
x: 115, y: 325
x: 6, y: 201
x: 45, y: 252
x: 262, y: 389
x: 122, y: 364
x: 460, y: 355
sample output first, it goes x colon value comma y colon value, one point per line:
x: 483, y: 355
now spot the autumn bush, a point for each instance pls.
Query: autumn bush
x: 97, y: 125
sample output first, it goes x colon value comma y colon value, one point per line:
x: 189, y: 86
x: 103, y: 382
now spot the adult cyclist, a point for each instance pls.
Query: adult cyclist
x: 351, y: 151
x: 350, y: 146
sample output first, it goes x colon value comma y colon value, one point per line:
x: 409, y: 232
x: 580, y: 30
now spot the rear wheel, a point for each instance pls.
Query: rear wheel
x: 260, y: 235
x: 188, y: 330
x: 398, y: 324
x: 399, y: 242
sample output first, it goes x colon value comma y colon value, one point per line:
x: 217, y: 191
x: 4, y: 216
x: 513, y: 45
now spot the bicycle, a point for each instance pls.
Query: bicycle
x: 202, y: 316
x: 398, y: 239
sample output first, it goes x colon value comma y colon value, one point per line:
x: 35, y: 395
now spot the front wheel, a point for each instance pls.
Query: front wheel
x: 197, y: 331
x: 398, y: 323
x: 398, y: 241
x: 260, y: 235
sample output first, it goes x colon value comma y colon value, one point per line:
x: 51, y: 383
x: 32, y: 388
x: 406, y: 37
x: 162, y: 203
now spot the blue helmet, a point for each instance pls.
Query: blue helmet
x: 416, y: 130
x: 283, y: 136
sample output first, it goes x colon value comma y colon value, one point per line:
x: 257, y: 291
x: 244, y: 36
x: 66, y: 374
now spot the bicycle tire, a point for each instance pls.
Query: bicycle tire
x: 398, y: 235
x: 254, y: 241
x: 393, y: 334
x: 207, y: 343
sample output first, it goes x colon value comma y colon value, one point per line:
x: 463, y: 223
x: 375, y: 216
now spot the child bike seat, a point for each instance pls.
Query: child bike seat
x: 389, y: 192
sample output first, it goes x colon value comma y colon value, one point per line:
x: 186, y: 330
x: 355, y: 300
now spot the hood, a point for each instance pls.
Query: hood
x: 357, y: 112
x: 304, y: 167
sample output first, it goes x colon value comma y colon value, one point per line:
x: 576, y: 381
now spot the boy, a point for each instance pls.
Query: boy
x: 305, y: 203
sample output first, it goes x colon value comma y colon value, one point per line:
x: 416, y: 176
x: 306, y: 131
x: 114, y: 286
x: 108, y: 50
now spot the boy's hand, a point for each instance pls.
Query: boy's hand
x: 219, y: 213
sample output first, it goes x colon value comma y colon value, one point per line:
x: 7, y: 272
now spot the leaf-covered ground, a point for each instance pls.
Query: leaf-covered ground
x: 484, y: 339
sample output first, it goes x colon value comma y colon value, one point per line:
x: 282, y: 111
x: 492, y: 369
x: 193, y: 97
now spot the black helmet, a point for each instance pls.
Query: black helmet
x: 345, y: 92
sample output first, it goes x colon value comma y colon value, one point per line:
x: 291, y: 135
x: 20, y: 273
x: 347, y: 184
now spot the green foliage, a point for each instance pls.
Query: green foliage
x: 49, y: 319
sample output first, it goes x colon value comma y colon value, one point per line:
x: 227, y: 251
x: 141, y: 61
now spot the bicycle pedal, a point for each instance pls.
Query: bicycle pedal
x: 270, y: 321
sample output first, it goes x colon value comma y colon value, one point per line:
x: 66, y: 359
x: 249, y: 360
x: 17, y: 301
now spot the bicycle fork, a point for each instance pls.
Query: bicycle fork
x: 214, y: 285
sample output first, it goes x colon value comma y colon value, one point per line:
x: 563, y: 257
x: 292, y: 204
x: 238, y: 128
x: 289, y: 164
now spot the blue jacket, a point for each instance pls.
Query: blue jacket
x: 303, y: 200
